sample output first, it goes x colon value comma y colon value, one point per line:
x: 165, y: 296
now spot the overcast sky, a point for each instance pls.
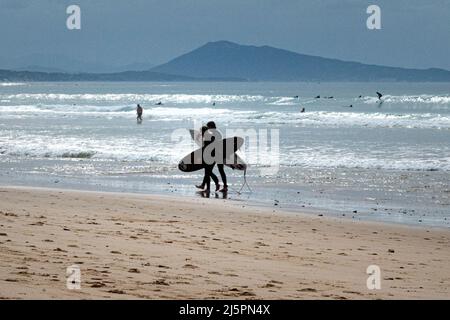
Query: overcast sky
x: 415, y: 33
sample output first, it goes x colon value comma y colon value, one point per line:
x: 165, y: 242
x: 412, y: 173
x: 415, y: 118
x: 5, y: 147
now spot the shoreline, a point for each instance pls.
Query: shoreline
x: 291, y: 209
x: 161, y: 247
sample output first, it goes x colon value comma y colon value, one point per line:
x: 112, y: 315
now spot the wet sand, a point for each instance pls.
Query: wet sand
x: 159, y: 247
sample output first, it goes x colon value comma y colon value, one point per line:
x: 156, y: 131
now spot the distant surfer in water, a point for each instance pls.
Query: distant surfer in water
x: 139, y: 112
x: 159, y: 104
x: 380, y: 102
x: 379, y: 95
x: 303, y: 110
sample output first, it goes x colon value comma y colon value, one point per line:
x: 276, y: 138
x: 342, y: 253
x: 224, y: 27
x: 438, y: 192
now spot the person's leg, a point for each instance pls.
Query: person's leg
x: 202, y: 186
x: 216, y: 180
x: 207, y: 179
x: 223, y: 176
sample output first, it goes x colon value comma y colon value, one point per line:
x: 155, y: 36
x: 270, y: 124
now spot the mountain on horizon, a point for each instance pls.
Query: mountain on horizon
x: 58, y: 63
x: 226, y: 61
x: 265, y: 63
x: 149, y: 76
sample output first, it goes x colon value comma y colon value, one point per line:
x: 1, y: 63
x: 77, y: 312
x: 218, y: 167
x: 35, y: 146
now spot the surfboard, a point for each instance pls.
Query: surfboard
x: 194, y: 160
x: 196, y: 136
x: 237, y: 164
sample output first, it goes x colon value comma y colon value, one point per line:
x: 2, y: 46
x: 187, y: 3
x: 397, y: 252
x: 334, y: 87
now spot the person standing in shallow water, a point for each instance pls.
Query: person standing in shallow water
x: 139, y: 111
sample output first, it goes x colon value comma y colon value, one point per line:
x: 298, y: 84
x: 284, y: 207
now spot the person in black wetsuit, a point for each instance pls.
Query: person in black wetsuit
x: 380, y: 95
x: 209, y: 174
x: 139, y: 112
x: 218, y: 136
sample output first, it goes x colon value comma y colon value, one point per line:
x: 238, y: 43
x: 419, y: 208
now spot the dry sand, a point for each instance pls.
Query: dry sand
x: 157, y: 247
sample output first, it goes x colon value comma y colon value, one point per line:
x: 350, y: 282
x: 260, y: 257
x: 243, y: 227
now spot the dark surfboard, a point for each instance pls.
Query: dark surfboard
x: 236, y: 164
x: 193, y: 161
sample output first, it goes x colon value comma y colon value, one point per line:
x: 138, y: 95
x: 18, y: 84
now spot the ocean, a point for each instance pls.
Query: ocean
x: 385, y: 160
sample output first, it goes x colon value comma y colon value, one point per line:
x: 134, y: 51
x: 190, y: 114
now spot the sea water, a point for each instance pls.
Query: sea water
x: 349, y: 154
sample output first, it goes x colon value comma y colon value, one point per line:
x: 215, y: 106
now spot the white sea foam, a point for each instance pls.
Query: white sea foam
x: 311, y: 118
x: 415, y: 161
x: 283, y: 101
x: 84, y: 147
x: 410, y: 99
x: 163, y: 151
x: 111, y: 141
x: 140, y: 98
x: 182, y: 98
x: 11, y: 84
x: 350, y: 119
x: 151, y: 99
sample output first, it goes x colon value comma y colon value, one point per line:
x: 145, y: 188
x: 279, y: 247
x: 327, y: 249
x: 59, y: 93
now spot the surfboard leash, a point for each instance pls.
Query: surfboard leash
x: 245, y: 183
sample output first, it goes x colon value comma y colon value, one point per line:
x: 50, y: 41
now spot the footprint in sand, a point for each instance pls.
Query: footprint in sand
x: 134, y: 270
x: 117, y: 291
x: 307, y: 290
x: 231, y: 275
x: 160, y: 282
x: 96, y: 284
x: 268, y: 285
x: 39, y: 224
x: 235, y: 292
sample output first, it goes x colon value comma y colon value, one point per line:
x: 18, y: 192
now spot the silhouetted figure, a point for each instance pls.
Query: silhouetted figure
x: 212, y: 126
x: 317, y: 97
x: 303, y: 110
x: 295, y: 97
x: 209, y: 174
x: 159, y: 104
x: 139, y: 111
x: 214, y: 104
x: 379, y: 95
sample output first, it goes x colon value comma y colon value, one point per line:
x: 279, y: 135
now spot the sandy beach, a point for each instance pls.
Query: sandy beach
x: 159, y: 247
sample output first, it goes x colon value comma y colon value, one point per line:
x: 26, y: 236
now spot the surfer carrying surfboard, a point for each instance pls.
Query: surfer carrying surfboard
x: 208, y: 171
x: 213, y: 150
x: 208, y: 138
x: 220, y: 166
x: 209, y: 135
